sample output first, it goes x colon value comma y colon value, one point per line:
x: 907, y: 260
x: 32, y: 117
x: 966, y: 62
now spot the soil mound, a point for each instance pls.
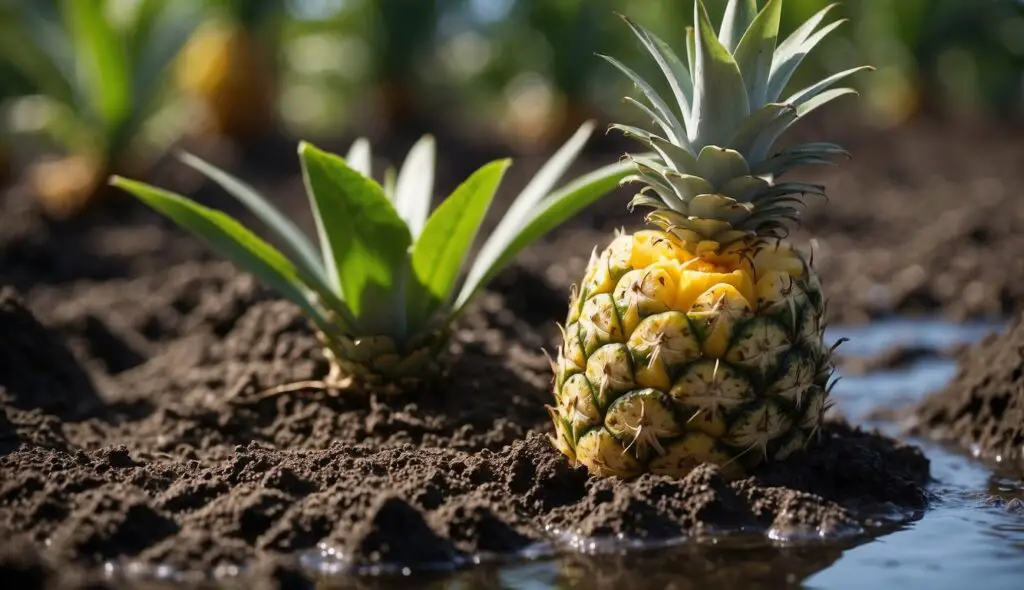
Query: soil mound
x: 182, y: 462
x: 983, y: 408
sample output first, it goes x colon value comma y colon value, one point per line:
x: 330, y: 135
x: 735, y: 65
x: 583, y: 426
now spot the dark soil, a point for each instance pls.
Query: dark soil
x: 983, y: 408
x: 131, y: 361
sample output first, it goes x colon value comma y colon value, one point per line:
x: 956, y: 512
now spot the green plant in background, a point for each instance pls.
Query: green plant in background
x: 229, y: 70
x: 96, y: 74
x: 381, y: 289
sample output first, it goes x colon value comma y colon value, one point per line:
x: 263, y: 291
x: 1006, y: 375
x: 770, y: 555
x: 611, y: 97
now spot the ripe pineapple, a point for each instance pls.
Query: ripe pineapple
x: 700, y: 339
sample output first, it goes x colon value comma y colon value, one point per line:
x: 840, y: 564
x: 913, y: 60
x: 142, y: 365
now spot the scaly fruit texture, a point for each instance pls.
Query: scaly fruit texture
x: 700, y: 339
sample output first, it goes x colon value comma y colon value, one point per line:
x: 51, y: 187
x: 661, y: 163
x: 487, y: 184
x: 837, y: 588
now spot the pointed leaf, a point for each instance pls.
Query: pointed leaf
x: 720, y: 103
x: 754, y: 52
x: 415, y: 185
x: 390, y: 180
x: 793, y: 50
x: 367, y: 241
x: 691, y: 58
x: 683, y: 161
x: 549, y: 214
x: 675, y: 72
x: 296, y: 242
x: 810, y: 92
x: 739, y: 14
x: 753, y: 127
x: 103, y: 54
x: 665, y: 117
x: 440, y: 252
x: 719, y: 165
x: 232, y: 240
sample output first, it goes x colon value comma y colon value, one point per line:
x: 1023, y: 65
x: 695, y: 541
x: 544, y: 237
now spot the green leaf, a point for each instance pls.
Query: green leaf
x: 793, y: 50
x: 662, y: 114
x: 364, y: 238
x: 415, y: 185
x: 774, y: 131
x: 232, y: 240
x: 103, y: 55
x: 296, y: 242
x: 675, y: 72
x: 551, y: 212
x: 738, y: 16
x: 522, y: 207
x: 755, y: 50
x: 720, y: 103
x: 440, y: 252
x: 810, y: 92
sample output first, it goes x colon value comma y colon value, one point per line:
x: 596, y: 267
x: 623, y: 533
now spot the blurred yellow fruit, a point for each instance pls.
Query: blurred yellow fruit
x: 225, y: 68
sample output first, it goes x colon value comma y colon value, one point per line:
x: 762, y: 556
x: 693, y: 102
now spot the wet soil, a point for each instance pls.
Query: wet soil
x: 982, y: 410
x: 132, y: 361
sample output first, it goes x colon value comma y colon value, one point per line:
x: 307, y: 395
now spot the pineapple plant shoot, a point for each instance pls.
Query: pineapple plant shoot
x: 699, y: 339
x: 383, y: 288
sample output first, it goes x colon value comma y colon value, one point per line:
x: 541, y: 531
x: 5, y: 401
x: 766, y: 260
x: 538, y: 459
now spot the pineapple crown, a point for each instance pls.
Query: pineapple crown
x: 712, y: 175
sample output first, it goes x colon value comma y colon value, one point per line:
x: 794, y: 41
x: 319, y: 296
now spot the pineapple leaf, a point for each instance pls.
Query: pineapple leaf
x: 691, y: 55
x: 674, y: 155
x: 552, y: 211
x: 234, y: 241
x: 414, y: 187
x: 363, y: 238
x: 720, y: 103
x: 296, y: 242
x: 489, y: 260
x: 793, y: 50
x: 662, y: 114
x: 537, y: 210
x: 688, y: 187
x: 719, y: 165
x: 360, y: 157
x: 810, y: 92
x: 390, y: 180
x: 104, y: 55
x: 772, y: 132
x: 677, y: 74
x: 754, y: 52
x: 440, y: 252
x: 752, y: 127
x: 739, y: 14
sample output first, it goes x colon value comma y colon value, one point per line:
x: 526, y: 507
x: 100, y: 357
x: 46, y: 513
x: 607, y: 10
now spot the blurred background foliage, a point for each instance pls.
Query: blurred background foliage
x: 520, y: 70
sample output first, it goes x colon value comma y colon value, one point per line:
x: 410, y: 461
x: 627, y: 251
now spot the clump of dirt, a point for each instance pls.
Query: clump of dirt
x: 983, y: 408
x: 181, y: 460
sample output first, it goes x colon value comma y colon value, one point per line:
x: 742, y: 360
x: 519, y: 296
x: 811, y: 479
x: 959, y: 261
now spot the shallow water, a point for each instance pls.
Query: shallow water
x: 971, y: 536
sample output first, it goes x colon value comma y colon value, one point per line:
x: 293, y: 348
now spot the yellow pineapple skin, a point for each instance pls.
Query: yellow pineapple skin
x: 225, y: 68
x: 671, y: 359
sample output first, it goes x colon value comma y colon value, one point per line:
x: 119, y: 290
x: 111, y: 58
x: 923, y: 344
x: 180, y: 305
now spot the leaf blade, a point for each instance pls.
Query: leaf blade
x: 441, y: 250
x: 414, y: 187
x: 232, y: 240
x: 367, y: 241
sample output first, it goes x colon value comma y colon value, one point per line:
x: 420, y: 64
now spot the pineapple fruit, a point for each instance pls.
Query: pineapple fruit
x: 700, y: 338
x: 226, y: 68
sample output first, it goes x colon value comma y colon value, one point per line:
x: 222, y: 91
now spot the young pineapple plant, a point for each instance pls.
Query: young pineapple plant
x: 381, y: 290
x: 227, y: 69
x: 700, y: 338
x: 96, y: 70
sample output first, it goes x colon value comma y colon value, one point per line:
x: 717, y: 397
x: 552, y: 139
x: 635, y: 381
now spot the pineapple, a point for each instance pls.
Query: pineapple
x: 700, y: 338
x: 227, y: 68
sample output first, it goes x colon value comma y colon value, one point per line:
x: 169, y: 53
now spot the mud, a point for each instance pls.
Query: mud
x: 982, y: 410
x: 180, y: 460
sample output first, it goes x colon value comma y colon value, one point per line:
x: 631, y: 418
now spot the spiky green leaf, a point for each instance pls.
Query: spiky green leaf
x: 440, y: 252
x: 232, y: 240
x: 104, y: 58
x: 294, y: 240
x: 739, y: 14
x: 754, y: 52
x: 794, y: 48
x: 678, y: 76
x: 802, y: 96
x: 414, y: 188
x: 367, y: 242
x: 663, y: 115
x: 720, y: 102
